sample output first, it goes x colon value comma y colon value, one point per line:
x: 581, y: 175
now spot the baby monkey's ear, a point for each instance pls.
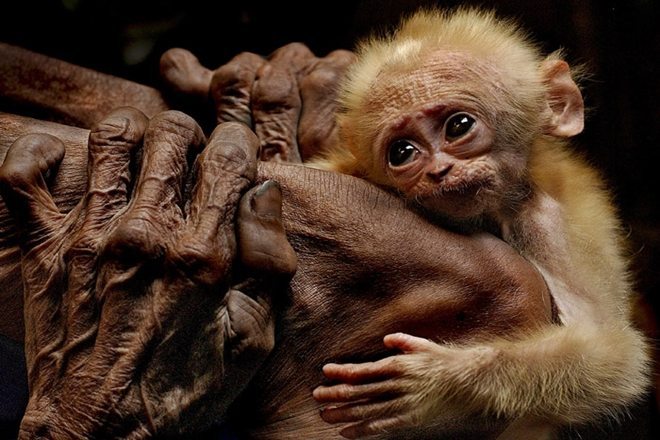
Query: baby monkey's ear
x: 564, y: 104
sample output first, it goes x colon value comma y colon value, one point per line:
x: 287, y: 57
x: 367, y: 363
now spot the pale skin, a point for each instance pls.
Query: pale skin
x: 480, y: 144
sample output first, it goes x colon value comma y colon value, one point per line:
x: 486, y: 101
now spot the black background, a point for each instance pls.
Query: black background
x: 617, y: 40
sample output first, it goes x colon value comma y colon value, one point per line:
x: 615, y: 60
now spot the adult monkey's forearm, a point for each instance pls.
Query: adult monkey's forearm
x: 56, y: 90
x: 315, y: 203
x: 368, y: 266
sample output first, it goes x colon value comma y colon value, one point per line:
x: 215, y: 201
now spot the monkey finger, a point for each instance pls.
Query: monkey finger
x: 354, y: 412
x: 278, y: 93
x: 155, y: 210
x: 317, y: 128
x: 349, y: 393
x: 263, y: 245
x: 365, y: 372
x: 224, y: 170
x: 30, y: 162
x: 170, y: 139
x: 111, y: 145
x: 276, y: 102
x: 275, y: 108
x: 183, y: 73
x: 408, y: 343
x: 231, y: 88
x: 295, y: 57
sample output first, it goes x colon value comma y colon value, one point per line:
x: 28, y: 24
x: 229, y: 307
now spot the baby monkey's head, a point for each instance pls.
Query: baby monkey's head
x: 446, y: 110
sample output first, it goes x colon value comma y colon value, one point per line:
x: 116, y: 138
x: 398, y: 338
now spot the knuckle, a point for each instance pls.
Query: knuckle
x: 252, y: 332
x: 196, y: 260
x: 232, y: 158
x: 295, y: 49
x: 29, y: 156
x: 236, y: 146
x: 240, y: 70
x: 275, y: 90
x: 322, y: 78
x: 174, y: 57
x: 227, y: 75
x: 176, y: 122
x: 246, y: 59
x: 131, y: 242
x: 340, y: 58
x: 235, y: 132
x: 121, y: 127
x: 173, y: 118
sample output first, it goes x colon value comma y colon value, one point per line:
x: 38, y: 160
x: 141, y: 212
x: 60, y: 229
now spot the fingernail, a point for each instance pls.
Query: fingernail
x: 267, y: 200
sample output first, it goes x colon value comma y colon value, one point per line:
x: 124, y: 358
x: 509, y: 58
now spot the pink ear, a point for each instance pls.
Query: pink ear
x: 565, y: 105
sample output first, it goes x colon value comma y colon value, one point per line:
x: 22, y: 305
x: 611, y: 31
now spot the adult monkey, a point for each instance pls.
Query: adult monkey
x: 331, y: 299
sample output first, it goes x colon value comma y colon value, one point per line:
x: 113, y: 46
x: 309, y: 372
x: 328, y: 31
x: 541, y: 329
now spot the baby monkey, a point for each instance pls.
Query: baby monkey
x: 461, y: 114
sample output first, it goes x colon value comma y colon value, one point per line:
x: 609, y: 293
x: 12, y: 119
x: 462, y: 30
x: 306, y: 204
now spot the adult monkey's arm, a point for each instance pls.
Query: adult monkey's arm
x: 359, y: 249
x: 368, y: 266
x: 287, y: 98
x: 55, y: 90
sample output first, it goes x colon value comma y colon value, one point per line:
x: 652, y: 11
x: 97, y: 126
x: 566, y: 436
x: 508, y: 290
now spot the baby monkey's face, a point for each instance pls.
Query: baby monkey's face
x: 440, y: 158
x: 437, y: 142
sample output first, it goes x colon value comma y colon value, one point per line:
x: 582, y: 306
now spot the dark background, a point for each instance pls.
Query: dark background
x: 617, y: 40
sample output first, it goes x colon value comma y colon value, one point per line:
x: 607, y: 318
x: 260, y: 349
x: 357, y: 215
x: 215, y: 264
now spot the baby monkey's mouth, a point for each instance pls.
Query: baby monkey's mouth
x: 453, y: 187
x: 459, y: 200
x: 458, y: 188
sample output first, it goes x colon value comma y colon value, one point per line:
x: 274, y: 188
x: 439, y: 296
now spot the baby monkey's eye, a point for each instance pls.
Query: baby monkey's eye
x: 458, y: 125
x: 401, y: 152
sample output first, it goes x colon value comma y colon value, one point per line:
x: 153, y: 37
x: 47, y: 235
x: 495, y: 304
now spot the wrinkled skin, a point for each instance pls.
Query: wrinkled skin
x: 133, y: 323
x: 287, y: 98
x: 367, y: 266
x: 58, y: 91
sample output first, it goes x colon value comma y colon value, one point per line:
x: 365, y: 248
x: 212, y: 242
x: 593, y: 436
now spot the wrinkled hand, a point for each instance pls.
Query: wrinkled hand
x: 392, y: 394
x: 287, y: 98
x: 134, y: 322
